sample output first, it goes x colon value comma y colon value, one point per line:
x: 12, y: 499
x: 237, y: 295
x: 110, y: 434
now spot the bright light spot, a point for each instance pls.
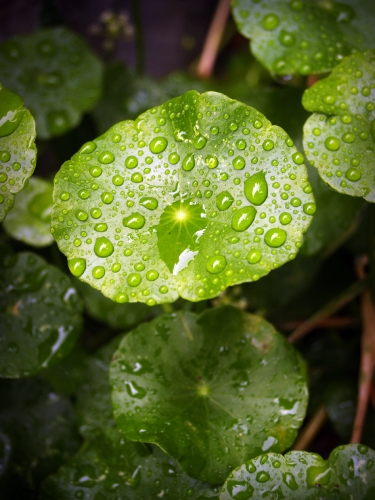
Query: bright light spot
x: 181, y: 215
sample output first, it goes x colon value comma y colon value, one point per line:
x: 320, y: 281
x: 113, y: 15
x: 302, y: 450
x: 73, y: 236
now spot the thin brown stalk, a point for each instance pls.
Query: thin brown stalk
x: 311, y: 430
x: 335, y: 322
x: 211, y: 46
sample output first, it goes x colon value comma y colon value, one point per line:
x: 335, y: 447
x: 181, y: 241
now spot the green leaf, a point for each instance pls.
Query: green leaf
x: 339, y: 137
x: 30, y: 219
x: 37, y: 427
x: 111, y: 467
x: 349, y: 473
x: 55, y: 73
x: 17, y: 148
x: 193, y: 196
x: 305, y: 36
x: 40, y: 314
x: 336, y: 218
x: 212, y: 390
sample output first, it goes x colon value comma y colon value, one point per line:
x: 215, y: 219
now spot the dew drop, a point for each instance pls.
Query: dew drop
x: 287, y: 39
x: 149, y: 203
x: 241, y: 144
x: 353, y: 174
x: 212, y: 161
x: 137, y: 177
x: 98, y: 272
x: 118, y: 180
x: 64, y: 196
x: 4, y: 156
x: 254, y: 256
x: 58, y: 122
x: 268, y: 145
x: 121, y: 298
x: 116, y: 267
x: 199, y: 142
x: 163, y: 289
x: 348, y: 137
x: 158, y: 145
x: 87, y: 148
x: 285, y: 218
x: 95, y: 213
x: 95, y: 171
x: 297, y: 158
x: 134, y: 221
x: 103, y: 247
x: 152, y: 275
x: 270, y: 22
x: 131, y: 162
x: 224, y: 200
x: 275, y: 237
x: 107, y: 198
x: 83, y: 194
x: 173, y: 158
x: 81, y: 215
x: 256, y: 188
x: 238, y: 163
x: 243, y: 218
x: 216, y: 264
x: 188, y: 162
x: 262, y: 477
x: 134, y: 279
x: 77, y: 266
x: 290, y: 480
x: 309, y: 208
x: 214, y: 130
x: 332, y: 143
x: 106, y: 157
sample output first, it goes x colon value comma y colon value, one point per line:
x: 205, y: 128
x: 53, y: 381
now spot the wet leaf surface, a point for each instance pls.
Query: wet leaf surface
x: 339, y: 138
x: 40, y: 314
x: 211, y: 390
x: 304, y: 36
x: 193, y: 196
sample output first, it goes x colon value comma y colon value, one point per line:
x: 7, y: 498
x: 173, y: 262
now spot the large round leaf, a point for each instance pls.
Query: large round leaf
x: 339, y: 138
x: 212, y: 390
x: 40, y: 314
x: 17, y: 148
x: 55, y: 73
x: 349, y: 473
x: 305, y: 36
x: 30, y: 219
x: 110, y: 467
x: 193, y: 196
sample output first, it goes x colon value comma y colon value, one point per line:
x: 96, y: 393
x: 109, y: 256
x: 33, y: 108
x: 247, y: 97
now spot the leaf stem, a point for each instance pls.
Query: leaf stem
x: 139, y: 38
x: 371, y: 253
x: 167, y: 307
x: 327, y: 310
x: 215, y: 33
x: 310, y: 431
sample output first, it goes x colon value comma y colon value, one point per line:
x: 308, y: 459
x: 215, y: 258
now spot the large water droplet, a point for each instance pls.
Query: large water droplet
x: 238, y: 163
x: 216, y: 264
x: 87, y: 148
x: 243, y: 218
x: 270, y: 22
x: 131, y: 162
x: 275, y: 237
x: 95, y: 171
x: 188, y: 162
x: 106, y: 157
x: 134, y: 221
x: 240, y: 490
x: 98, y: 272
x: 254, y: 256
x: 224, y: 200
x: 77, y: 266
x: 212, y: 161
x: 103, y: 247
x: 199, y: 142
x: 11, y: 111
x: 290, y: 480
x: 149, y: 202
x: 134, y: 390
x: 152, y: 275
x: 353, y: 174
x: 263, y: 477
x: 332, y: 143
x: 158, y: 145
x: 134, y: 279
x: 256, y: 188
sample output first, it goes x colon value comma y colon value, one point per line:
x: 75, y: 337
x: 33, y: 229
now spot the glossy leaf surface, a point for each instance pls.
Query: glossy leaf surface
x: 17, y: 148
x: 111, y: 467
x: 40, y: 314
x: 305, y: 36
x: 349, y: 473
x: 56, y: 74
x: 30, y: 219
x: 193, y: 196
x: 339, y: 138
x: 211, y: 390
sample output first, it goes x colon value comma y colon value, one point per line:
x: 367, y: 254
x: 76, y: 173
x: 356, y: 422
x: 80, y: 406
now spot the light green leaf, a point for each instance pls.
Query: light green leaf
x: 212, y: 390
x: 193, y: 196
x: 305, y: 36
x: 30, y: 219
x: 40, y: 314
x: 111, y: 467
x: 55, y: 73
x: 349, y: 473
x: 17, y: 148
x: 339, y: 138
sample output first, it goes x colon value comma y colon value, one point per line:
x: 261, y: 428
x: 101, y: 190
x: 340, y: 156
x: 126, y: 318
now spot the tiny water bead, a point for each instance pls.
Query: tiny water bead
x: 243, y: 218
x: 275, y: 237
x: 256, y: 188
x: 216, y: 264
x: 224, y: 200
x: 158, y: 145
x: 103, y: 247
x: 77, y: 266
x: 134, y: 221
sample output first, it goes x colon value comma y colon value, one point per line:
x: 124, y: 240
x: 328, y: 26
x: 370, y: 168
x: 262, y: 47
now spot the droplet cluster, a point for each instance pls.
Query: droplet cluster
x: 199, y: 194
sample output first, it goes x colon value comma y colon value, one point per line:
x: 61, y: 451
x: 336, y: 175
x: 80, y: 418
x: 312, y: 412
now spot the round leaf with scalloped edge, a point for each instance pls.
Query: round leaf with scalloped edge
x: 339, y: 138
x: 17, y: 147
x: 212, y: 390
x: 56, y: 74
x: 193, y: 196
x: 305, y: 36
x: 40, y: 314
x: 349, y: 473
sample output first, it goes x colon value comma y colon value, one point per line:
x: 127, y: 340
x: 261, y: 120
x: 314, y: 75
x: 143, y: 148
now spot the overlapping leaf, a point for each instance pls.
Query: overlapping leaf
x: 56, y: 74
x: 17, y: 148
x: 211, y: 390
x: 339, y: 138
x: 349, y: 473
x: 40, y: 314
x: 193, y: 196
x: 305, y: 36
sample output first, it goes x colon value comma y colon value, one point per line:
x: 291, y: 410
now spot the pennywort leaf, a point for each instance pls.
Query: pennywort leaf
x: 211, y: 390
x: 193, y: 196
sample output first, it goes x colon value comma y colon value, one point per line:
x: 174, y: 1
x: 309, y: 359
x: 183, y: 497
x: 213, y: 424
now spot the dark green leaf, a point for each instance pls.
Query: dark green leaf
x: 339, y: 137
x: 17, y: 148
x: 196, y: 195
x: 212, y: 390
x: 55, y: 73
x: 40, y: 314
x: 349, y: 473
x: 305, y: 36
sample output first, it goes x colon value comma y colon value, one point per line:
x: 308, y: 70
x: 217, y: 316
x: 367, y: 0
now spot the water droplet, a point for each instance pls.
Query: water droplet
x: 188, y: 162
x: 81, y: 215
x: 4, y: 156
x: 106, y: 157
x: 275, y: 237
x: 58, y: 122
x: 262, y: 477
x: 241, y: 144
x: 214, y: 130
x: 131, y: 162
x: 199, y: 142
x: 137, y: 177
x: 95, y: 213
x: 309, y: 208
x: 134, y: 221
x: 212, y: 161
x: 290, y: 480
x: 239, y: 490
x: 83, y: 194
x: 285, y: 218
x: 348, y: 137
x: 243, y: 218
x: 95, y: 171
x: 134, y: 390
x: 254, y: 256
x: 216, y: 264
x: 121, y: 298
x: 238, y: 163
x: 152, y: 275
x: 353, y: 174
x: 287, y: 39
x: 224, y: 200
x: 163, y: 289
x: 64, y: 196
x: 3, y: 177
x: 134, y: 279
x: 256, y: 188
x: 77, y: 266
x: 297, y: 158
x: 118, y: 180
x: 87, y: 148
x: 98, y: 272
x: 148, y: 202
x: 173, y: 158
x: 107, y: 198
x: 46, y: 48
x: 103, y: 247
x: 270, y: 22
x: 332, y: 143
x: 268, y: 145
x: 158, y: 145
x: 295, y: 202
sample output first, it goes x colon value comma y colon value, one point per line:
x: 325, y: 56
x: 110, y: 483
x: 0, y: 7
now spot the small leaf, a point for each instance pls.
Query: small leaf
x: 40, y: 315
x: 111, y: 467
x: 150, y: 202
x: 211, y: 390
x: 30, y: 219
x: 17, y: 148
x: 339, y: 138
x: 304, y: 36
x: 349, y: 472
x: 55, y: 73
